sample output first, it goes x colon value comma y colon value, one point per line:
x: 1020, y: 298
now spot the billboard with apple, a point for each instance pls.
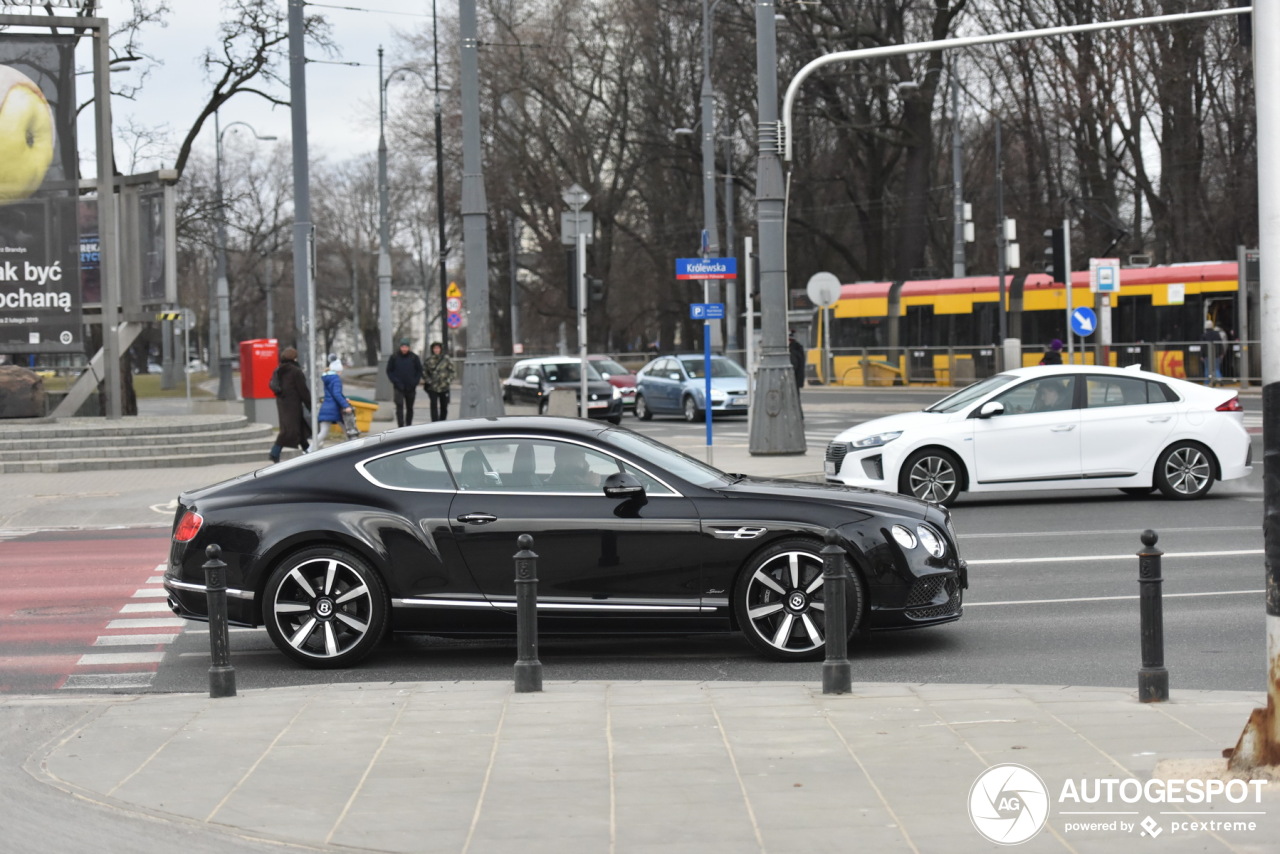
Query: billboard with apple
x: 40, y: 301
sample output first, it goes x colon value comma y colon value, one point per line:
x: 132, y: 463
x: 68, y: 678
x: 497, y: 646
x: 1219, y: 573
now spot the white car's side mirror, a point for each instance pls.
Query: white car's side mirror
x: 990, y: 408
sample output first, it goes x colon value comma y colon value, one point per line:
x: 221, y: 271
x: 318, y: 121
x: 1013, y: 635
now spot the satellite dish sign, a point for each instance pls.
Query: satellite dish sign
x: 823, y: 289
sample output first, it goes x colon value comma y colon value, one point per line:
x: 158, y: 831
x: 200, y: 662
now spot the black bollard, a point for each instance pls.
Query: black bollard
x: 528, y: 668
x: 837, y: 673
x: 222, y: 676
x: 1153, y: 679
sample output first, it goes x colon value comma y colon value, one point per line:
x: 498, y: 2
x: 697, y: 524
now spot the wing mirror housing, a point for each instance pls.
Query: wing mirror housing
x: 991, y: 408
x: 623, y: 484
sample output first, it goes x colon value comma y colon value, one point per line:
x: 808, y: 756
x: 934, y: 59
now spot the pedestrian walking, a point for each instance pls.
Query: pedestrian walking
x: 1212, y: 339
x: 438, y: 375
x: 1053, y: 355
x: 334, y: 405
x: 796, y: 352
x: 290, y: 387
x: 404, y: 369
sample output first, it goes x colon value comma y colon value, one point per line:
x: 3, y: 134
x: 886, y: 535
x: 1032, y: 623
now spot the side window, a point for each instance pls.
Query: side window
x: 1115, y: 391
x: 1160, y: 393
x: 1051, y: 394
x: 473, y: 466
x: 537, y: 466
x: 420, y: 468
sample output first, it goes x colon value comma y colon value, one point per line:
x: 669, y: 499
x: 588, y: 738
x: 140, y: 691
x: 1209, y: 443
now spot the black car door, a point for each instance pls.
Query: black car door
x: 598, y: 557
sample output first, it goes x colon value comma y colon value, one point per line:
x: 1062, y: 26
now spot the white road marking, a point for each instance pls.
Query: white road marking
x: 164, y: 623
x: 150, y: 593
x: 1127, y: 532
x: 120, y: 658
x: 146, y: 607
x: 1114, y: 598
x: 134, y: 640
x: 1130, y: 556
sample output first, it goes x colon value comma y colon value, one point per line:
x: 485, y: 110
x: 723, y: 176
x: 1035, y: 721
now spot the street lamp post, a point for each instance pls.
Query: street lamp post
x: 712, y: 245
x: 576, y: 197
x: 226, y: 390
x: 383, y: 388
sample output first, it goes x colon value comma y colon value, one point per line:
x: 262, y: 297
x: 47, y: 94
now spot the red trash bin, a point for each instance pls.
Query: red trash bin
x: 258, y: 360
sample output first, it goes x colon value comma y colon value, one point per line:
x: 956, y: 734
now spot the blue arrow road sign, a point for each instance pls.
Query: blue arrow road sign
x: 1083, y: 321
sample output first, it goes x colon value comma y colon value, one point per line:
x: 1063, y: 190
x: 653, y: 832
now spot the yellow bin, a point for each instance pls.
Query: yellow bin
x: 364, y: 416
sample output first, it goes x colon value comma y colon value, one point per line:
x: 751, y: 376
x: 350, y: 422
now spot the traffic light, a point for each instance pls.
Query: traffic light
x: 572, y: 267
x: 1055, y: 256
x: 595, y: 289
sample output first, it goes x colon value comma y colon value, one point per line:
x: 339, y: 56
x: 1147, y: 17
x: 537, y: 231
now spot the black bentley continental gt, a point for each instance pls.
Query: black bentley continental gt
x: 414, y: 530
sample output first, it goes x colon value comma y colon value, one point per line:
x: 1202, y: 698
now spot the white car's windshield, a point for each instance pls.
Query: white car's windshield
x: 967, y: 395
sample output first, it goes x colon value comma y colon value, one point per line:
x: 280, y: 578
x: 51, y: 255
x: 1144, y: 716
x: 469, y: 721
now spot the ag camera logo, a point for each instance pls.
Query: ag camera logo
x: 1008, y: 804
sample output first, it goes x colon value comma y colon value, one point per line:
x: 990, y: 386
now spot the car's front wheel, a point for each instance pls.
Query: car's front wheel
x: 1184, y: 471
x: 642, y: 409
x: 324, y: 608
x: 691, y: 412
x: 932, y: 475
x: 780, y: 604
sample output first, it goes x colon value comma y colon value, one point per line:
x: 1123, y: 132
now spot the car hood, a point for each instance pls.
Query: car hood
x: 622, y: 381
x: 903, y: 421
x: 593, y: 386
x: 850, y: 496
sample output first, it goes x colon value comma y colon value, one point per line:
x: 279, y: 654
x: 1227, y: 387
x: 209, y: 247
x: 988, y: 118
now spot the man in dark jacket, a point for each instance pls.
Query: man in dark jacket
x: 294, y: 394
x: 795, y: 351
x: 404, y: 369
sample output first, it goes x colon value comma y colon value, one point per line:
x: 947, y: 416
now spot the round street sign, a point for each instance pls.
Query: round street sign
x: 453, y: 304
x: 823, y: 289
x: 1083, y: 321
x: 454, y: 320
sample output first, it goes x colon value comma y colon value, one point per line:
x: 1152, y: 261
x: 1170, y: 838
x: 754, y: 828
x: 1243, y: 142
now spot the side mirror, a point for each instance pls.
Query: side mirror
x: 990, y: 408
x: 623, y: 484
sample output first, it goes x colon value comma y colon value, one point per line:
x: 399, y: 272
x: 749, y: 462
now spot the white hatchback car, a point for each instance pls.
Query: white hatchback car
x: 1053, y: 428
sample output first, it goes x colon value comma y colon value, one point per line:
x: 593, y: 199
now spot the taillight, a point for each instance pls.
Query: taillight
x: 188, y: 527
x: 1232, y: 405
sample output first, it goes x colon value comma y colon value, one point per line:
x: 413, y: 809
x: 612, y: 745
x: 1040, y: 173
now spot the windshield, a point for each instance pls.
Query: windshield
x: 967, y: 395
x: 667, y: 458
x: 568, y: 372
x: 610, y: 367
x: 720, y: 367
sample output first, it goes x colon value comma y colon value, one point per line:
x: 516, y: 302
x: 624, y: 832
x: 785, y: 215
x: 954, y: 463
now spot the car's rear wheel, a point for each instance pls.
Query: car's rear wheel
x: 691, y: 412
x: 932, y: 475
x: 1137, y: 491
x: 1184, y: 471
x: 642, y: 409
x: 780, y: 605
x: 324, y: 608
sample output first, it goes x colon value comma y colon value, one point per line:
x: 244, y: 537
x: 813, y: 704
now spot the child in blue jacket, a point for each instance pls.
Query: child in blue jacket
x: 335, y: 402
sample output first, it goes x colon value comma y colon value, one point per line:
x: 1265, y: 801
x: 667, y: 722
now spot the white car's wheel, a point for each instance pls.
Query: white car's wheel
x: 931, y: 475
x: 1184, y: 471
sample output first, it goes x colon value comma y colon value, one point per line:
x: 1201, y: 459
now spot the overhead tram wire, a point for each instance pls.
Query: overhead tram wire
x: 363, y: 9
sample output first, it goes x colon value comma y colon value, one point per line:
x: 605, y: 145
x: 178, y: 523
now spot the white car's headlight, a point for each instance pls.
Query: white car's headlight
x: 932, y: 543
x: 875, y: 441
x: 905, y: 538
x: 617, y: 393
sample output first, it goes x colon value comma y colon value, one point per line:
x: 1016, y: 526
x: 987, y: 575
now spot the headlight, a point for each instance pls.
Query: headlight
x: 932, y: 543
x: 905, y: 538
x: 875, y: 441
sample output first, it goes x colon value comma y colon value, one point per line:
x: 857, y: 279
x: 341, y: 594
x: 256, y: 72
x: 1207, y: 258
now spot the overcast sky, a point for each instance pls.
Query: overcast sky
x: 342, y: 107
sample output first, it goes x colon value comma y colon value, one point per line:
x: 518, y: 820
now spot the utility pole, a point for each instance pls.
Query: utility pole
x: 382, y: 384
x: 1002, y: 245
x: 481, y: 396
x: 712, y: 246
x: 301, y: 194
x: 776, y: 427
x: 1259, y: 744
x: 957, y: 184
x: 443, y: 247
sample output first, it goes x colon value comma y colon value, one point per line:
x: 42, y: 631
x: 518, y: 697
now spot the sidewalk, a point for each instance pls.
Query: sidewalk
x: 660, y: 766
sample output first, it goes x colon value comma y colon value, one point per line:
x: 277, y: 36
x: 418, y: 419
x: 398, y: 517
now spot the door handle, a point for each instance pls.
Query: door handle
x: 1063, y: 428
x: 477, y: 518
x: 1158, y: 419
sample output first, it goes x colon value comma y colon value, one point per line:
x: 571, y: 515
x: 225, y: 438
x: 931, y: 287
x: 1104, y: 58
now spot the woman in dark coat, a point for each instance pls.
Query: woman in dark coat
x: 295, y: 432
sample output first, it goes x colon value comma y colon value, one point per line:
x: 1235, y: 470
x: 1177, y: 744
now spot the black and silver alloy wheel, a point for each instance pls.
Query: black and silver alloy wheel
x: 324, y: 608
x: 780, y: 604
x: 931, y: 475
x: 1184, y: 470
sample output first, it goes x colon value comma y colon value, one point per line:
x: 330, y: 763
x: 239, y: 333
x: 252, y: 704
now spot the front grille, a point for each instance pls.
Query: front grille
x: 835, y: 454
x: 926, y: 590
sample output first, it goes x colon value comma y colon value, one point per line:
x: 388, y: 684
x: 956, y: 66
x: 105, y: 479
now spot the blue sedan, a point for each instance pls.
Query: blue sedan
x: 676, y: 385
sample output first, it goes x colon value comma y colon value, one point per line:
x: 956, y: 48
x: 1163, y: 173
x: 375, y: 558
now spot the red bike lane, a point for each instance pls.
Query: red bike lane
x: 83, y: 610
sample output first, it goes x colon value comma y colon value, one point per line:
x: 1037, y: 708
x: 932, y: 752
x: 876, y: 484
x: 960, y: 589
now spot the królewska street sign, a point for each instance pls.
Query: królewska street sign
x: 708, y: 268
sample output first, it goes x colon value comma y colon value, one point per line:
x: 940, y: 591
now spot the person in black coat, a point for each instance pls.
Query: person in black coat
x: 1053, y: 355
x: 796, y: 352
x: 404, y: 370
x: 294, y: 394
